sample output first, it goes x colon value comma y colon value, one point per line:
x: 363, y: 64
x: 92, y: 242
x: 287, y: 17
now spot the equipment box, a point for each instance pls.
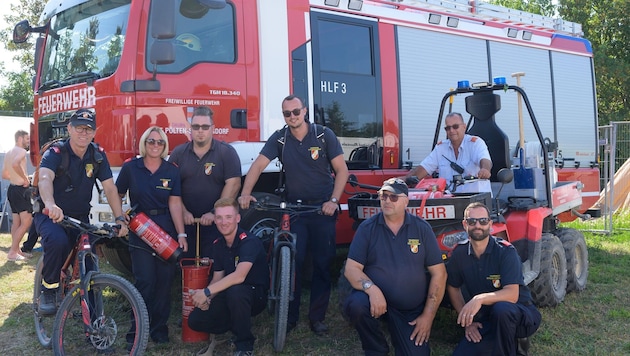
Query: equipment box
x: 437, y: 211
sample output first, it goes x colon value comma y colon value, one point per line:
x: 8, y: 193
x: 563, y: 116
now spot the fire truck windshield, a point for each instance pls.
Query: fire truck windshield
x: 84, y: 42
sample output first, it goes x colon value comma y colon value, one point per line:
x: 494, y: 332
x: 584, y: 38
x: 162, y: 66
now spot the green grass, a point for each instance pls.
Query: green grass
x: 593, y: 322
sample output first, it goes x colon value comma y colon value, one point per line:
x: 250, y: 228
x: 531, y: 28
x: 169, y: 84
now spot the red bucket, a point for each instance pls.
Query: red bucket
x: 194, y: 276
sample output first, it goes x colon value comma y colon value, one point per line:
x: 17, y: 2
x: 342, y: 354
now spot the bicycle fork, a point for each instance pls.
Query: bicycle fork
x: 89, y: 299
x: 282, y: 238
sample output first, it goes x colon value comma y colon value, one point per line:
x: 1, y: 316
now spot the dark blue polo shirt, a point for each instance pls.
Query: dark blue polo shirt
x: 308, y: 174
x: 150, y: 191
x: 203, y: 179
x: 498, y: 266
x: 397, y: 263
x: 73, y: 190
x: 246, y: 248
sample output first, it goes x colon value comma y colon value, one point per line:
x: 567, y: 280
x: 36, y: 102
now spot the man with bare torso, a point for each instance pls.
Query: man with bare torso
x: 14, y: 170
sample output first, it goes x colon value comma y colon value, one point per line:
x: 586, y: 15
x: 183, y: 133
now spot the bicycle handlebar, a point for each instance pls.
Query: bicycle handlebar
x: 283, y: 206
x: 105, y: 230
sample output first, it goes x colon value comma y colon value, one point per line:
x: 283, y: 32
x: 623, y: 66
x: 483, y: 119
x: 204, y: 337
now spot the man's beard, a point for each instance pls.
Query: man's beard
x: 478, y: 237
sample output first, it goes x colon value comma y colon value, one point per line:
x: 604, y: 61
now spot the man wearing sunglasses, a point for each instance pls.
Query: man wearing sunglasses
x: 308, y: 162
x: 468, y: 152
x: 386, y: 266
x: 210, y: 169
x: 500, y: 315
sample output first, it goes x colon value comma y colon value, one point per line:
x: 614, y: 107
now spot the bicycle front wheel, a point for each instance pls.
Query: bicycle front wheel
x: 114, y: 306
x: 43, y: 323
x: 283, y: 286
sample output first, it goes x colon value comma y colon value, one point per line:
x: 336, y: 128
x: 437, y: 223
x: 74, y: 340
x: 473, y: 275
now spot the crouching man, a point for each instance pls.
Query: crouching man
x: 239, y: 285
x: 500, y: 315
x: 387, y: 265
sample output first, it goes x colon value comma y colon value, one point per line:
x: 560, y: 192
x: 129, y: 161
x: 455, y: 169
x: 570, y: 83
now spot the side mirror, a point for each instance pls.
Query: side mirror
x: 21, y: 32
x: 505, y: 175
x: 196, y: 9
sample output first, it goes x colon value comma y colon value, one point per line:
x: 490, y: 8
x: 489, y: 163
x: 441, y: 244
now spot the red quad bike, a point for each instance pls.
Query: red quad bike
x: 525, y: 203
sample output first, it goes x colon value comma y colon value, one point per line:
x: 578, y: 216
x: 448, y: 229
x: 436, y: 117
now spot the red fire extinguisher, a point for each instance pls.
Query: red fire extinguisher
x: 151, y: 233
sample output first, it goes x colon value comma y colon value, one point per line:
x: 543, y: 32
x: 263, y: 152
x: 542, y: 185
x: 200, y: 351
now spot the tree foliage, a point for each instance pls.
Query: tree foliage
x: 17, y: 95
x: 606, y: 24
x: 541, y: 7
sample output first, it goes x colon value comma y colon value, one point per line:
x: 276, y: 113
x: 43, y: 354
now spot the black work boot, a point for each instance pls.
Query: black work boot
x: 522, y: 346
x: 48, y: 302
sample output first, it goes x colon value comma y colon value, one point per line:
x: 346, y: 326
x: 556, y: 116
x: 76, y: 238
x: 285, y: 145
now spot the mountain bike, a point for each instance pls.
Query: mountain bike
x: 97, y: 309
x: 281, y: 257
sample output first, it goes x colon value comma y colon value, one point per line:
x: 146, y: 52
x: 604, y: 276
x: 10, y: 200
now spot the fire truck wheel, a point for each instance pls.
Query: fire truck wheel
x: 117, y: 254
x: 577, y: 258
x: 550, y: 287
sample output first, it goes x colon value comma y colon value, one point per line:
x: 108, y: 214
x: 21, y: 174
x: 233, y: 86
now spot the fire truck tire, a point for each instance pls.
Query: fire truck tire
x: 577, y: 258
x: 117, y: 254
x: 550, y: 287
x: 343, y: 291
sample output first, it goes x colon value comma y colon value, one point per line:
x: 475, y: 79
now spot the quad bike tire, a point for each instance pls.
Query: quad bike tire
x: 550, y: 287
x: 577, y: 258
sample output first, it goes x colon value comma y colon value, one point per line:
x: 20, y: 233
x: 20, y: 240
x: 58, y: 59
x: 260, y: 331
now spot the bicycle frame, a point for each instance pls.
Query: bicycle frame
x: 282, y: 237
x: 81, y: 251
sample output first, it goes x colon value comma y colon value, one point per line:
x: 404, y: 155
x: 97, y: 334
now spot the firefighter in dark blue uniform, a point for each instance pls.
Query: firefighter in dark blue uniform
x: 386, y: 265
x: 500, y: 313
x: 209, y: 163
x: 154, y: 188
x: 70, y: 194
x: 239, y: 285
x: 309, y: 154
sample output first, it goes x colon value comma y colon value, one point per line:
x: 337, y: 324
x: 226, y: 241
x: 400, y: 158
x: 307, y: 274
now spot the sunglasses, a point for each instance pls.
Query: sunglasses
x: 473, y: 221
x: 196, y: 127
x: 295, y: 112
x: 152, y: 141
x: 393, y: 198
x: 454, y: 127
x: 82, y: 129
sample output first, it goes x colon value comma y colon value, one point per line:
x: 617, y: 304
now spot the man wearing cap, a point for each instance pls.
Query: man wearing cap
x: 387, y: 264
x: 68, y: 191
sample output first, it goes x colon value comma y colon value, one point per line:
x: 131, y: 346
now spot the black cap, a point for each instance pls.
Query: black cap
x: 396, y: 186
x: 83, y: 117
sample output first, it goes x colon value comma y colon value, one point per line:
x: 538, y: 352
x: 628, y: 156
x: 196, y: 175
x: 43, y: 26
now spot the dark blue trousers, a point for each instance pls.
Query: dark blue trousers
x: 232, y: 310
x: 154, y: 279
x: 315, y: 233
x: 373, y: 342
x: 57, y: 243
x: 502, y: 325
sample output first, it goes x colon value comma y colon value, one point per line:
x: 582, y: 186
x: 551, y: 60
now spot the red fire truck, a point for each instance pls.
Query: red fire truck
x: 371, y: 70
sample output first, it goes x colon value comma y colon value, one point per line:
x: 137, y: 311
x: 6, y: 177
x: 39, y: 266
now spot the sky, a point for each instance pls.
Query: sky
x: 5, y: 56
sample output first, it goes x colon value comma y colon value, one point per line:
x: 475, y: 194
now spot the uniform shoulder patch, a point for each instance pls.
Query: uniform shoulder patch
x: 242, y: 236
x: 55, y: 149
x: 474, y: 139
x: 503, y: 242
x: 439, y: 143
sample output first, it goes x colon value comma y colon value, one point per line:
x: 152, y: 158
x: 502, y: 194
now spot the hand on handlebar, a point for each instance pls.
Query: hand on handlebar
x: 245, y: 200
x: 329, y: 208
x: 54, y: 213
x: 483, y: 174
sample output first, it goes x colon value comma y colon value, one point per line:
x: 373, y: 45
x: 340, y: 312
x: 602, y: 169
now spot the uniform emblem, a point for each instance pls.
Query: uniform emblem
x: 89, y: 170
x: 496, y: 280
x: 207, y: 169
x: 242, y: 236
x: 55, y: 149
x: 413, y: 245
x: 165, y: 182
x: 236, y: 261
x: 314, y: 153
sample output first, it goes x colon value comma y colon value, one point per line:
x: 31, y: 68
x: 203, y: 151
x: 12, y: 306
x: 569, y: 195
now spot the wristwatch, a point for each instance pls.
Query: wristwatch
x: 206, y: 291
x: 367, y: 284
x: 334, y: 200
